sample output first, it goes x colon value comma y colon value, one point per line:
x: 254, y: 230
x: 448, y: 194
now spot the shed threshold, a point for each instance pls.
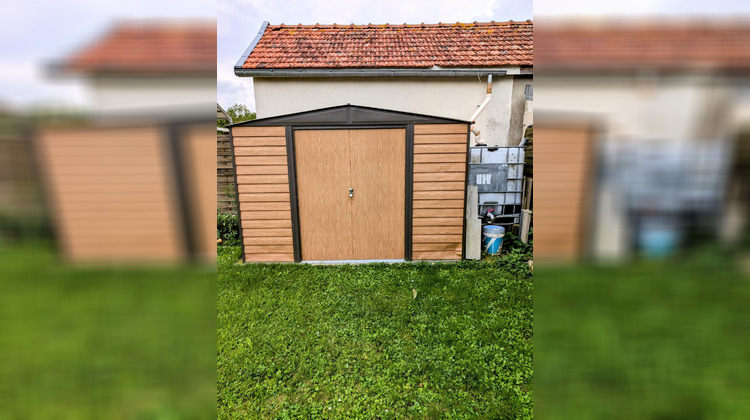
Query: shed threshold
x: 335, y: 262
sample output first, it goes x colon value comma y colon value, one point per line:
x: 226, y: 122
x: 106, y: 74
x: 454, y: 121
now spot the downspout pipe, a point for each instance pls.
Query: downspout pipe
x: 480, y: 109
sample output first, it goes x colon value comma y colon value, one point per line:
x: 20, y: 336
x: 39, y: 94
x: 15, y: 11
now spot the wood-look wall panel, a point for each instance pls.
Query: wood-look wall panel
x: 437, y: 221
x: 262, y: 150
x: 259, y: 141
x: 439, y: 191
x: 258, y: 131
x: 270, y: 240
x: 440, y: 148
x: 439, y: 195
x: 269, y: 258
x: 440, y: 139
x: 438, y: 204
x: 260, y: 179
x: 438, y: 213
x: 199, y: 153
x: 439, y: 167
x: 437, y: 255
x: 437, y: 230
x: 440, y: 246
x: 267, y: 224
x: 563, y: 166
x: 265, y: 215
x: 269, y: 249
x: 258, y: 197
x: 263, y: 188
x: 123, y: 173
x: 262, y: 233
x: 436, y: 238
x: 438, y: 186
x: 439, y: 176
x: 441, y: 129
x: 282, y: 206
x: 254, y: 159
x: 262, y: 170
x: 440, y: 158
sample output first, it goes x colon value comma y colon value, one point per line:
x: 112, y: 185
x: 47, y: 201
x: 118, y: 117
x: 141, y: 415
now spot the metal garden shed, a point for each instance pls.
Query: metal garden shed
x: 351, y: 183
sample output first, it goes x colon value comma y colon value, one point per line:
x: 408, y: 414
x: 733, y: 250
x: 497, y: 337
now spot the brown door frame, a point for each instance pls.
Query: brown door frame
x: 408, y: 179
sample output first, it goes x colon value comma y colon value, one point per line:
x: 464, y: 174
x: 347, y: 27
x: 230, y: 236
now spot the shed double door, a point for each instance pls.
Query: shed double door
x: 369, y: 224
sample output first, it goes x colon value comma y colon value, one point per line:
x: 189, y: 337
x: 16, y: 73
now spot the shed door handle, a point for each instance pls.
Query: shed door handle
x: 351, y: 192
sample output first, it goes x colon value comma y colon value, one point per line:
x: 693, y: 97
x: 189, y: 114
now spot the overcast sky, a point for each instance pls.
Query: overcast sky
x: 34, y: 33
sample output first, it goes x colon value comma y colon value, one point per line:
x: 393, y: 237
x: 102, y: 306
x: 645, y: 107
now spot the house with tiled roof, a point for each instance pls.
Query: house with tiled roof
x: 148, y: 67
x: 434, y: 69
x: 640, y: 124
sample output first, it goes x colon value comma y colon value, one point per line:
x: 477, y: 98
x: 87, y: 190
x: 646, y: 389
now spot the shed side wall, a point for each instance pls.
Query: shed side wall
x: 439, y: 189
x: 263, y: 193
x: 112, y: 193
x: 564, y: 158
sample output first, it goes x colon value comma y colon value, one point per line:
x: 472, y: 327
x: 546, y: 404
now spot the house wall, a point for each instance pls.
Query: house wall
x: 637, y: 107
x: 518, y: 107
x: 161, y: 95
x: 450, y: 97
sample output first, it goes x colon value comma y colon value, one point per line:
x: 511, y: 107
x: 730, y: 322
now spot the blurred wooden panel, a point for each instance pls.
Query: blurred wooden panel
x: 125, y: 173
x: 563, y: 158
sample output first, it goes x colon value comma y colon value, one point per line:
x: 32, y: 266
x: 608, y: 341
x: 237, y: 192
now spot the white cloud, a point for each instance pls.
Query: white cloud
x: 35, y: 33
x: 232, y: 89
x: 639, y: 8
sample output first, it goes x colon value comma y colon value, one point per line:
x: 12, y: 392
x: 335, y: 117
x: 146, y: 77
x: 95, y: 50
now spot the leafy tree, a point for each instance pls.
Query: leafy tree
x: 238, y: 113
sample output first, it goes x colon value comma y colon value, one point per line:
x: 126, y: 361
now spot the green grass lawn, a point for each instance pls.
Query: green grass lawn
x: 104, y: 343
x: 352, y: 342
x: 648, y: 340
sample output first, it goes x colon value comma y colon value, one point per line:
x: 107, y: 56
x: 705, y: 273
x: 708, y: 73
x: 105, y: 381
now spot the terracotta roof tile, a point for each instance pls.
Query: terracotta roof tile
x: 410, y: 46
x: 150, y: 47
x: 667, y: 45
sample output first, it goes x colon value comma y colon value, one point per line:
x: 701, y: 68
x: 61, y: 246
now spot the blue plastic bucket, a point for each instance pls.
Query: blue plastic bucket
x: 658, y: 238
x: 492, y: 238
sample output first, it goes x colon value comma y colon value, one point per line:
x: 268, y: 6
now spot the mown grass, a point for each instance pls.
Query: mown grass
x: 646, y: 340
x: 352, y: 342
x: 104, y: 343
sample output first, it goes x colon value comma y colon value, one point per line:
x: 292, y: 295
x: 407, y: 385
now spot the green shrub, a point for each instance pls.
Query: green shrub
x: 515, y: 256
x: 227, y: 229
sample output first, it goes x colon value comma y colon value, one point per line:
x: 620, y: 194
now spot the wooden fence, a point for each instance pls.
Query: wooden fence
x: 225, y: 194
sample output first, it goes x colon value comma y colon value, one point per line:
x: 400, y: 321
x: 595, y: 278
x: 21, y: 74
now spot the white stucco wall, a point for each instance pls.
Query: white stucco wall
x: 518, y: 107
x: 638, y: 107
x: 157, y: 94
x: 452, y: 97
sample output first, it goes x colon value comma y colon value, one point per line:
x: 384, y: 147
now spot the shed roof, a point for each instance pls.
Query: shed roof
x: 348, y: 115
x: 149, y: 47
x: 488, y: 44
